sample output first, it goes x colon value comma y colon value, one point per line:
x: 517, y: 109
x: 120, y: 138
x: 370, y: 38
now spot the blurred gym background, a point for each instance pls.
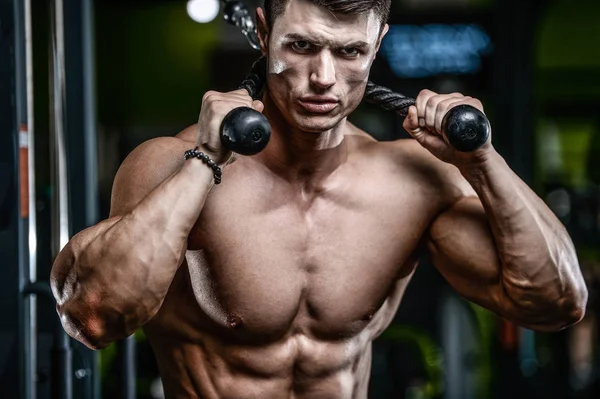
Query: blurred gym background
x: 82, y: 83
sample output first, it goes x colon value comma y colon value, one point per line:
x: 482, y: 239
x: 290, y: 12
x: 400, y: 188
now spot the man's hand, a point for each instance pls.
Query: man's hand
x: 424, y: 124
x: 215, y: 106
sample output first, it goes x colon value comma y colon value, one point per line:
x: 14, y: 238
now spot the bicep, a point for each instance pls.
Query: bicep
x: 144, y: 169
x: 462, y: 248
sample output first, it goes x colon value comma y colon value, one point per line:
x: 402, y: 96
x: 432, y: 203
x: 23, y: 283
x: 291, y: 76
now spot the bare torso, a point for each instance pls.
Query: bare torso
x: 284, y: 289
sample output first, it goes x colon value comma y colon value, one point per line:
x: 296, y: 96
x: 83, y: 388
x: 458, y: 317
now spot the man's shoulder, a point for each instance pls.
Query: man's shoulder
x: 366, y: 143
x: 404, y: 153
x: 411, y: 162
x: 164, y: 147
x: 154, y: 155
x: 405, y: 146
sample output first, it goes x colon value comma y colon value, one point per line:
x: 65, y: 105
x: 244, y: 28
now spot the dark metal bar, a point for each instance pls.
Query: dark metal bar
x: 23, y: 73
x: 60, y: 185
x: 89, y: 112
x: 61, y: 375
x: 31, y: 203
x: 61, y: 378
x: 81, y: 156
x: 90, y: 157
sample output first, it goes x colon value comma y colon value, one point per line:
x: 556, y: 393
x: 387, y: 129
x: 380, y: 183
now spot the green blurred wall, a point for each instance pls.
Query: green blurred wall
x: 153, y: 63
x: 568, y: 51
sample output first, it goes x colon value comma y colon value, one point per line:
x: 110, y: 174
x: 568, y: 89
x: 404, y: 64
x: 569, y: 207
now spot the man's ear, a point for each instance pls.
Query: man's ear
x: 383, y: 32
x: 262, y: 29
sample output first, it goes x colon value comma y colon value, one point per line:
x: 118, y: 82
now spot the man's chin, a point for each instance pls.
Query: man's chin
x: 316, y: 124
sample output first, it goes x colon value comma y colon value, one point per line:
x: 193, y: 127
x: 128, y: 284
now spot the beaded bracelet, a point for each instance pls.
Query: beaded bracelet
x: 212, y: 164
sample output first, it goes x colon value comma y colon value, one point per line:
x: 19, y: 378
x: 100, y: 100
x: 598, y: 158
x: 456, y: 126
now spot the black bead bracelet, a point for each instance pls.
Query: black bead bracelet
x: 212, y: 164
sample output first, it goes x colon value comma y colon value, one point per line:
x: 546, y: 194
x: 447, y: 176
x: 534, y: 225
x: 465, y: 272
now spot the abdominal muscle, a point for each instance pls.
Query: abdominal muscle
x: 297, y: 367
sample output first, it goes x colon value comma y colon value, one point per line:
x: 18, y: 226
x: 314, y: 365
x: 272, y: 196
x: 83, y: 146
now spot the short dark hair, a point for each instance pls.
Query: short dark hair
x: 274, y: 8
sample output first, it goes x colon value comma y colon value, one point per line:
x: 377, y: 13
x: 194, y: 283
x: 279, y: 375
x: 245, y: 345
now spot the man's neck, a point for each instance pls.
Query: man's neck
x: 302, y: 157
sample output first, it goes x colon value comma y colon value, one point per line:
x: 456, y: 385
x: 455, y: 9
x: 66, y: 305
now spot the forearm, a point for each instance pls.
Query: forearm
x: 118, y: 281
x: 539, y: 267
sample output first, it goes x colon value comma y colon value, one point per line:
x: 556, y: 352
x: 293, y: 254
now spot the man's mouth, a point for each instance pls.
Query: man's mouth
x: 318, y: 104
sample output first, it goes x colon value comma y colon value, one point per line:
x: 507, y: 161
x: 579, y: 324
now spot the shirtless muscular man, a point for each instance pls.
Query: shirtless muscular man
x: 274, y: 283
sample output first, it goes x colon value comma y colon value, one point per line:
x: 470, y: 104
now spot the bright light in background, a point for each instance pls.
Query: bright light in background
x: 203, y: 11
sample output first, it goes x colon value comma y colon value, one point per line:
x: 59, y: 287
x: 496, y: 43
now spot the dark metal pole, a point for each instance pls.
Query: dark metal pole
x: 60, y: 212
x: 89, y: 112
x: 61, y: 377
x: 27, y: 306
x: 60, y: 184
x: 81, y: 155
x: 31, y: 198
x: 90, y: 147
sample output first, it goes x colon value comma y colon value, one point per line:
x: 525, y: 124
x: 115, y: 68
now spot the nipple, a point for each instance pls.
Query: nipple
x: 235, y: 322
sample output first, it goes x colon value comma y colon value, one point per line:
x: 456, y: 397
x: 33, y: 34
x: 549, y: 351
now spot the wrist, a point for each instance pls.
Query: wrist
x: 480, y: 164
x: 221, y: 156
x: 198, y: 172
x: 207, y: 161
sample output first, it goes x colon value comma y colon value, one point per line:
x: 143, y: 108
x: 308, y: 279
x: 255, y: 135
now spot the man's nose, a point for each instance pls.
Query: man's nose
x: 323, y: 70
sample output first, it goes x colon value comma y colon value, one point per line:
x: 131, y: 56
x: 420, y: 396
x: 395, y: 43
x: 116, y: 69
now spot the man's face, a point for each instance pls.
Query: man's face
x: 318, y: 64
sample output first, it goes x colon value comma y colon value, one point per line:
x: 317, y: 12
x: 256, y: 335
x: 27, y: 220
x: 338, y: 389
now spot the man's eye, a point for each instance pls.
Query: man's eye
x: 301, y: 46
x: 350, y: 52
